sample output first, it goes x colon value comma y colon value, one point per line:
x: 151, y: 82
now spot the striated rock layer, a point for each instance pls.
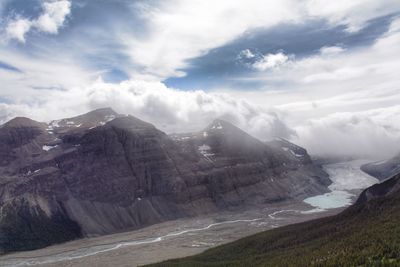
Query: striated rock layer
x: 102, y: 172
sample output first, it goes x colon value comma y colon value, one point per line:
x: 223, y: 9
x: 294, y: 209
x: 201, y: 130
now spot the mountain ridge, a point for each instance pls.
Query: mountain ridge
x: 383, y: 169
x: 102, y: 172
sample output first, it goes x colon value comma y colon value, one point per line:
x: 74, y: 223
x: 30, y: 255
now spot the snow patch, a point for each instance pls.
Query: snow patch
x: 107, y: 118
x: 32, y: 172
x: 204, y: 150
x: 54, y: 124
x: 295, y: 154
x: 286, y: 149
x: 72, y: 124
x: 217, y: 126
x: 47, y: 148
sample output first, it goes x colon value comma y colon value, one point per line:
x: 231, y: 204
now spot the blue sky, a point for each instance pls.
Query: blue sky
x: 91, y: 34
x: 217, y: 66
x: 277, y: 68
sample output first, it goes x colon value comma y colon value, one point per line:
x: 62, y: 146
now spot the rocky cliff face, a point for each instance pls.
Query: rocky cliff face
x: 102, y: 172
x: 385, y: 190
x: 383, y: 169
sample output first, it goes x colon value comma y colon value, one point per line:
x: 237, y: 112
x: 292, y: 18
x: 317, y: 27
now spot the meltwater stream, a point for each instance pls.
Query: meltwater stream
x: 93, y: 250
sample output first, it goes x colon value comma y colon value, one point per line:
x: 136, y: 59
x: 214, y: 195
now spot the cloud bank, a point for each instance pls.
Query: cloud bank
x: 169, y: 109
x: 373, y: 134
x: 340, y: 101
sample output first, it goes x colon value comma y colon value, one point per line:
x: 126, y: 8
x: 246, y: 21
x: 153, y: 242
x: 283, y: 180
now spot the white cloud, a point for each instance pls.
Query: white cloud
x: 331, y: 50
x: 50, y: 71
x: 394, y: 26
x: 180, y: 30
x: 270, y: 61
x: 246, y: 54
x: 260, y: 62
x: 52, y: 18
x: 342, y: 103
x: 353, y: 14
x: 17, y: 29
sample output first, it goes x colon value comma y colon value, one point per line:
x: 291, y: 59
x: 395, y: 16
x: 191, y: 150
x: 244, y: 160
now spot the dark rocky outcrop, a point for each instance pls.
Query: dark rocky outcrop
x: 102, y: 172
x: 24, y: 226
x: 385, y: 189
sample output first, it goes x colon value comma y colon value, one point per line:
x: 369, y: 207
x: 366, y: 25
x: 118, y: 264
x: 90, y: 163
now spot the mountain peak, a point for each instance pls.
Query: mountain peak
x: 129, y: 122
x: 102, y: 111
x: 220, y: 125
x: 22, y: 122
x: 225, y: 128
x: 231, y: 136
x: 90, y: 119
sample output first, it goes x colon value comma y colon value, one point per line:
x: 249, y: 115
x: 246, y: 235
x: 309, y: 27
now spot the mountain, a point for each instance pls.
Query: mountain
x: 103, y: 172
x: 365, y: 234
x: 293, y: 150
x: 383, y: 169
x: 245, y: 170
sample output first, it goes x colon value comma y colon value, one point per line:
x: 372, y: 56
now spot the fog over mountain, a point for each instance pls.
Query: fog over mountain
x: 177, y: 111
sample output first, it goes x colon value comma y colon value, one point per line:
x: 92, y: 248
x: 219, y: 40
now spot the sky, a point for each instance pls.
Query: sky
x: 323, y: 74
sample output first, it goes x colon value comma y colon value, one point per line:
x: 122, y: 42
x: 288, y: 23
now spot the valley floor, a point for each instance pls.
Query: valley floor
x: 190, y: 236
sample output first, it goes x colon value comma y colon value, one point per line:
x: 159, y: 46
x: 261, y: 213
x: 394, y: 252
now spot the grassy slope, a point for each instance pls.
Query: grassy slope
x: 363, y: 235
